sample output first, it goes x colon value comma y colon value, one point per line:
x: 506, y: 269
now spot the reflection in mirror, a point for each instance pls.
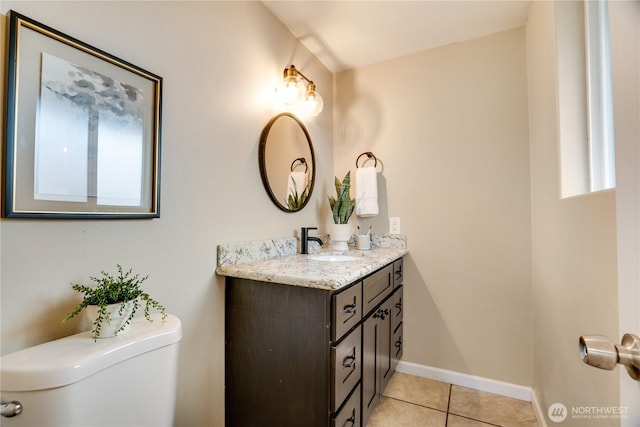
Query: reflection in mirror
x: 287, y: 162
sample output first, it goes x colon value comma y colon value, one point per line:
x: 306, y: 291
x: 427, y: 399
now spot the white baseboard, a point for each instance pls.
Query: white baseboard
x: 514, y: 391
x: 465, y: 380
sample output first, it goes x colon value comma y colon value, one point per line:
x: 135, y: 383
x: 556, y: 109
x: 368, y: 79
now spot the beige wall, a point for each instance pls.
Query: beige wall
x: 219, y: 61
x: 574, y: 248
x: 450, y: 128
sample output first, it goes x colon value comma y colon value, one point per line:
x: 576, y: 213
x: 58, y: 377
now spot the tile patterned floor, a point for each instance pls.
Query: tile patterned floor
x: 410, y: 401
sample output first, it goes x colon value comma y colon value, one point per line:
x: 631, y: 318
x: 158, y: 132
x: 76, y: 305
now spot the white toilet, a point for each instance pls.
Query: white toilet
x: 128, y: 380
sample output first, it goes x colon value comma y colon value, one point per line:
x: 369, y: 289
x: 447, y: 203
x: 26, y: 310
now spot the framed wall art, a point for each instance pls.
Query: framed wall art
x: 83, y: 129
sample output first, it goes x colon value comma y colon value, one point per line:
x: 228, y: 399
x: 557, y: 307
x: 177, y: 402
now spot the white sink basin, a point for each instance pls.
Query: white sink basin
x: 334, y: 258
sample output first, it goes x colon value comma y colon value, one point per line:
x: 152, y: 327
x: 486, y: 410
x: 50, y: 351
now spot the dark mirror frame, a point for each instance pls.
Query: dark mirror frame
x: 263, y: 167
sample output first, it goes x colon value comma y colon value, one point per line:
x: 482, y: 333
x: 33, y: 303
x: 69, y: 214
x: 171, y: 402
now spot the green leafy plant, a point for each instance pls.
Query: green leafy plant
x: 120, y: 289
x: 295, y: 201
x: 342, y: 206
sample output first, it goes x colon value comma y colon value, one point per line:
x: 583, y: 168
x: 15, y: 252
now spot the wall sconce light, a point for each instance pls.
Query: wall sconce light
x: 292, y: 91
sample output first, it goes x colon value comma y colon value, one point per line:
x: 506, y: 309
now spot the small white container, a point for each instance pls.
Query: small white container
x: 363, y: 242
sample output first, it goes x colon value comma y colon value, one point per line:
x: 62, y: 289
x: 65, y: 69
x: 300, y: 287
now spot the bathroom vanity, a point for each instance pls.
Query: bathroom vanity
x: 308, y: 352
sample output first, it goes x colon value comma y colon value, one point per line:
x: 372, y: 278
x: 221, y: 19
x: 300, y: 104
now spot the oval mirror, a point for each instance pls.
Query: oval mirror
x: 287, y: 162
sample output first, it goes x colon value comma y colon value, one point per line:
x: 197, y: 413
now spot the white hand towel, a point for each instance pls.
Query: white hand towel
x: 366, y: 192
x: 300, y: 180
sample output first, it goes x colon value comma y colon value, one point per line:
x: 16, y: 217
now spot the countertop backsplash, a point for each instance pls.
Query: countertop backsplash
x: 245, y: 252
x: 260, y: 250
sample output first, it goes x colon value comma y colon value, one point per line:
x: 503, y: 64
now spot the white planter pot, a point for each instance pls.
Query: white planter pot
x: 340, y: 236
x: 116, y: 320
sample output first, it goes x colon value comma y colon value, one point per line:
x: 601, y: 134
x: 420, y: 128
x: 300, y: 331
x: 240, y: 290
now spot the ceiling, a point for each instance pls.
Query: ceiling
x: 346, y: 34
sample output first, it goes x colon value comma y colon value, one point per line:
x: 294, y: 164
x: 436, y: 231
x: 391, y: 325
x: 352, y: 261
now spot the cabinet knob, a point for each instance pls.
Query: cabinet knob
x: 381, y: 314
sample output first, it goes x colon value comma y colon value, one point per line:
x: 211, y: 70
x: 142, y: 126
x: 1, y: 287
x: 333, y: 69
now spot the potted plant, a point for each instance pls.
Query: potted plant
x: 113, y: 302
x: 342, y: 207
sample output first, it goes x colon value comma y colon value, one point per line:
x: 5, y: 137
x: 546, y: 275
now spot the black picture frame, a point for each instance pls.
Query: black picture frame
x: 83, y: 129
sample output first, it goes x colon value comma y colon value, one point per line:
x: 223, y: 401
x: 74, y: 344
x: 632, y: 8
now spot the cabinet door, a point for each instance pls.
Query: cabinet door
x: 370, y: 395
x: 397, y: 347
x: 376, y: 357
x: 397, y: 310
x: 396, y: 327
x: 385, y: 349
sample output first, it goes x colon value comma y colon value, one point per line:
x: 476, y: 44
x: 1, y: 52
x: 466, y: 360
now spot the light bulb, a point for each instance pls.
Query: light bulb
x: 313, y: 103
x: 290, y: 89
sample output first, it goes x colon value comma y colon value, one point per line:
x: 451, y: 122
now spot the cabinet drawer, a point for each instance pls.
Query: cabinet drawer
x: 397, y: 309
x: 345, y: 367
x: 346, y: 310
x: 349, y: 415
x: 398, y: 272
x: 376, y: 287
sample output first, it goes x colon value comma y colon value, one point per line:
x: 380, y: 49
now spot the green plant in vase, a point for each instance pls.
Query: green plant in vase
x: 114, y: 297
x: 342, y: 205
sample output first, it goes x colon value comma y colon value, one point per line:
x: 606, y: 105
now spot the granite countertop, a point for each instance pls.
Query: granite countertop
x: 276, y: 261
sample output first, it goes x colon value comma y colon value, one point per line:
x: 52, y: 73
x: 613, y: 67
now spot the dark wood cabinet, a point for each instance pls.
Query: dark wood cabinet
x: 299, y: 356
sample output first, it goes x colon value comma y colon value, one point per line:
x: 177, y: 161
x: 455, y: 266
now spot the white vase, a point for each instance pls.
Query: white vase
x: 340, y: 236
x: 116, y: 320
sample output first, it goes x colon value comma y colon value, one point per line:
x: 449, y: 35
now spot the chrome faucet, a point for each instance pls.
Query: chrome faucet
x: 304, y: 239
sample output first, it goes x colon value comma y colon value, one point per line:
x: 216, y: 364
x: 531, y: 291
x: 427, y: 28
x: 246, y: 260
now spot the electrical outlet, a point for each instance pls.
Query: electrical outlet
x: 394, y: 225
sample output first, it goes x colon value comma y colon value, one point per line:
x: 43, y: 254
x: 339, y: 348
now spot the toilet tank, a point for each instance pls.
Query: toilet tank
x: 127, y: 380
